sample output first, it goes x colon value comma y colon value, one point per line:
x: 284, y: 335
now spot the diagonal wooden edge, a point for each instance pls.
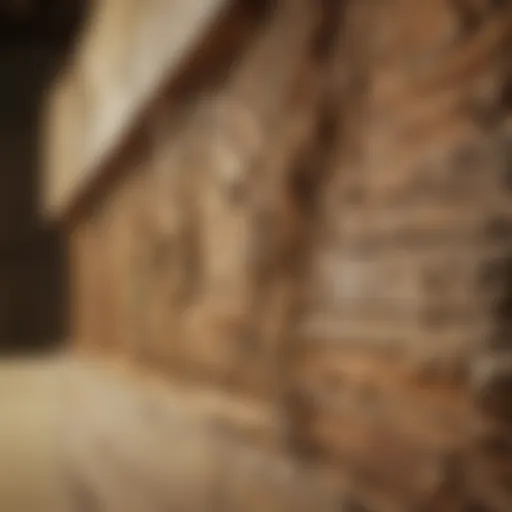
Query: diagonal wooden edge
x: 129, y: 52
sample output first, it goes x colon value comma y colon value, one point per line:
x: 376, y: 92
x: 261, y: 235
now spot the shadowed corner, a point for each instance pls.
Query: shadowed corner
x: 36, y: 39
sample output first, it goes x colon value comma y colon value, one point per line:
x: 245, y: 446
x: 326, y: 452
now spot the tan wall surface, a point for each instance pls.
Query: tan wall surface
x: 324, y: 236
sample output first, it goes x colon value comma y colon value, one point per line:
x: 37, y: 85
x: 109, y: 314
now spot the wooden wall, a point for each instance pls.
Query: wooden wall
x: 322, y: 233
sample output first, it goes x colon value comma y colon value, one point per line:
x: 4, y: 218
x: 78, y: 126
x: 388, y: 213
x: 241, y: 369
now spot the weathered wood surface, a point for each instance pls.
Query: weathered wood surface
x: 324, y: 229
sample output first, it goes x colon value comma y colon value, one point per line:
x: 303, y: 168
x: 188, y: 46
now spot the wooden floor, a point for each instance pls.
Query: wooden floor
x: 30, y: 467
x: 73, y: 437
x: 84, y: 437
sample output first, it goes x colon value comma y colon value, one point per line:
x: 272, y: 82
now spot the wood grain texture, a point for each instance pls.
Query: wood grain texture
x: 326, y: 230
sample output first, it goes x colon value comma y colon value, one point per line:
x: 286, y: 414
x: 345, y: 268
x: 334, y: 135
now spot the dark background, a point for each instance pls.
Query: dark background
x: 36, y: 37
